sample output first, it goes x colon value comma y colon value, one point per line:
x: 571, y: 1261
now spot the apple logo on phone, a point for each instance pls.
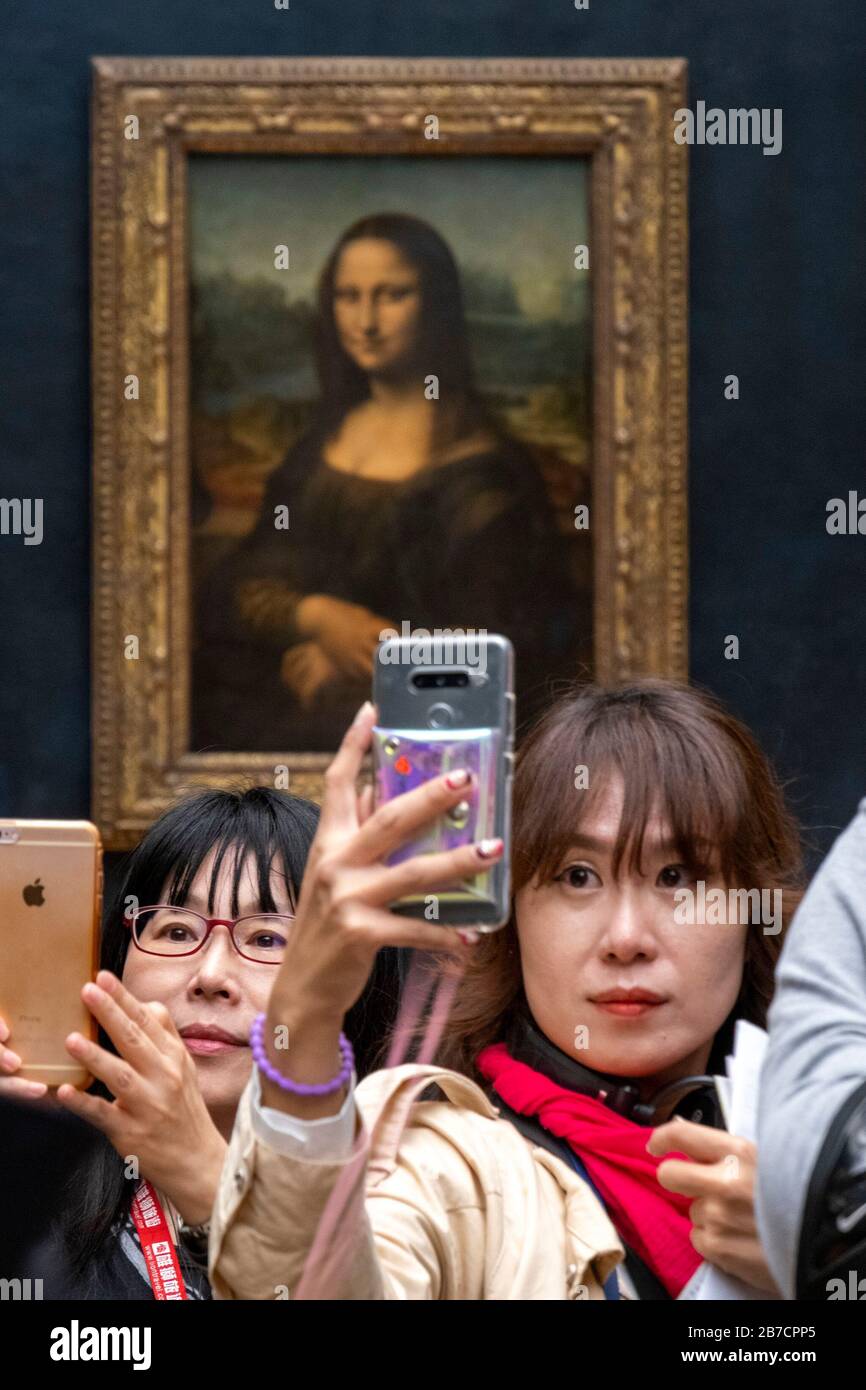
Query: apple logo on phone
x: 34, y: 894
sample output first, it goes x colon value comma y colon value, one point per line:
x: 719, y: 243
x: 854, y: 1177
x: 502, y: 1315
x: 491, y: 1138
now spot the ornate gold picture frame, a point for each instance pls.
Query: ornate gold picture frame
x: 150, y: 117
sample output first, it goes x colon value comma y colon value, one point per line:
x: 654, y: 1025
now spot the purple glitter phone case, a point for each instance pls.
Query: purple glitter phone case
x: 403, y: 761
x: 444, y: 705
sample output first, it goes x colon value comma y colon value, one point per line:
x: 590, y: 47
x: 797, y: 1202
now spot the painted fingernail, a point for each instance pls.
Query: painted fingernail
x: 488, y: 849
x: 469, y: 935
x: 457, y: 779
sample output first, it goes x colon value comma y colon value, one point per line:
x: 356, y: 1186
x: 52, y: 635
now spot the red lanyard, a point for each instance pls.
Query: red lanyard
x: 157, y: 1245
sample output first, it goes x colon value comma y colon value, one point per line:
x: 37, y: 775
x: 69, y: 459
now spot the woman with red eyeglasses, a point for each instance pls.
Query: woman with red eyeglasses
x: 191, y: 942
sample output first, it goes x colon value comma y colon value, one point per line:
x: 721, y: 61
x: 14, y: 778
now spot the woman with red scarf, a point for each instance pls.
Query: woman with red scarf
x: 577, y: 1055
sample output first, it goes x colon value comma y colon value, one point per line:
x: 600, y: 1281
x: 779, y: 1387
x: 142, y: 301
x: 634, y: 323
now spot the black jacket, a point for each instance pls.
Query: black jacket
x: 112, y: 1274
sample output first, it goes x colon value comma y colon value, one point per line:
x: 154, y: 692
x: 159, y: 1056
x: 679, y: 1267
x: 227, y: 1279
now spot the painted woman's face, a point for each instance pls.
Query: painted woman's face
x: 611, y: 976
x: 377, y: 305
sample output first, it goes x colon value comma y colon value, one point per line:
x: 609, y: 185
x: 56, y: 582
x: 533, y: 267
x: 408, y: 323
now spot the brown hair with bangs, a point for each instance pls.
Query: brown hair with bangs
x: 680, y: 756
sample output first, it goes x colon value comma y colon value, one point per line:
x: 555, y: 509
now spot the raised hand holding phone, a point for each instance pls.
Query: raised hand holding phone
x: 343, y: 915
x: 158, y: 1114
x: 158, y: 1117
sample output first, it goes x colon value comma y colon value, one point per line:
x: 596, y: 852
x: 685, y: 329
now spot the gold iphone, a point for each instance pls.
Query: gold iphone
x: 50, y: 906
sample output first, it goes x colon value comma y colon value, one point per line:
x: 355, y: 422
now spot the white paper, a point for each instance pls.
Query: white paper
x: 744, y: 1071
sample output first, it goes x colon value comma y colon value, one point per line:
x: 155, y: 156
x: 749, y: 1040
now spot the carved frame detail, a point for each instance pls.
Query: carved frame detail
x: 619, y: 113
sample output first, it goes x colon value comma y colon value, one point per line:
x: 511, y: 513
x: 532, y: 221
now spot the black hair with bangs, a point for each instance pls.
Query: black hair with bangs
x: 277, y: 829
x: 259, y: 822
x: 680, y: 759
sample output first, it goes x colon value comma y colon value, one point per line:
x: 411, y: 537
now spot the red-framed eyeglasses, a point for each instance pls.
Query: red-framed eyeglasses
x: 164, y: 930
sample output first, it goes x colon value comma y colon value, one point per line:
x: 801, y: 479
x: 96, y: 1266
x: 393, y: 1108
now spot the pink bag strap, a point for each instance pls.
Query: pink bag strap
x: 387, y: 1132
x: 333, y: 1245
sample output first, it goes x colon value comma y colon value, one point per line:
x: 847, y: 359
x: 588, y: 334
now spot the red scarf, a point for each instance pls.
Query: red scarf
x: 653, y: 1221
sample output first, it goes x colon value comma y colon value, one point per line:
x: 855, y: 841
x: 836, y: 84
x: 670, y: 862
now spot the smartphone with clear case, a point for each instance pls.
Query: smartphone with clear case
x: 50, y: 908
x: 443, y: 704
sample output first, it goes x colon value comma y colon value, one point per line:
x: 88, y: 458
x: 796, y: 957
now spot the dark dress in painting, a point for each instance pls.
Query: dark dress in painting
x: 469, y: 544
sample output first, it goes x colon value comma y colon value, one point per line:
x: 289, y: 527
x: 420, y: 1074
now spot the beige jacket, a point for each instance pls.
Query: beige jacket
x: 461, y: 1206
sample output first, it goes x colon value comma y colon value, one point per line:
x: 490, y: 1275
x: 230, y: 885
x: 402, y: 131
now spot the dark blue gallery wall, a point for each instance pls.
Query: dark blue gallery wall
x: 777, y: 251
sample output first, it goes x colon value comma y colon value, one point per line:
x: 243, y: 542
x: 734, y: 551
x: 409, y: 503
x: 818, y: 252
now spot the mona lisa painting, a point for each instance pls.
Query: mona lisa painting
x: 422, y: 403
x: 378, y: 345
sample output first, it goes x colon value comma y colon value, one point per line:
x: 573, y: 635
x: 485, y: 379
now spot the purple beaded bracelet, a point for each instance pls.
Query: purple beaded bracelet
x: 325, y: 1088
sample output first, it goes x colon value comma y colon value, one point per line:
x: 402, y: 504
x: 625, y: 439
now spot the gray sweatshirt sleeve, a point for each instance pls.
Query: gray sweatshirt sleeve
x: 816, y: 1056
